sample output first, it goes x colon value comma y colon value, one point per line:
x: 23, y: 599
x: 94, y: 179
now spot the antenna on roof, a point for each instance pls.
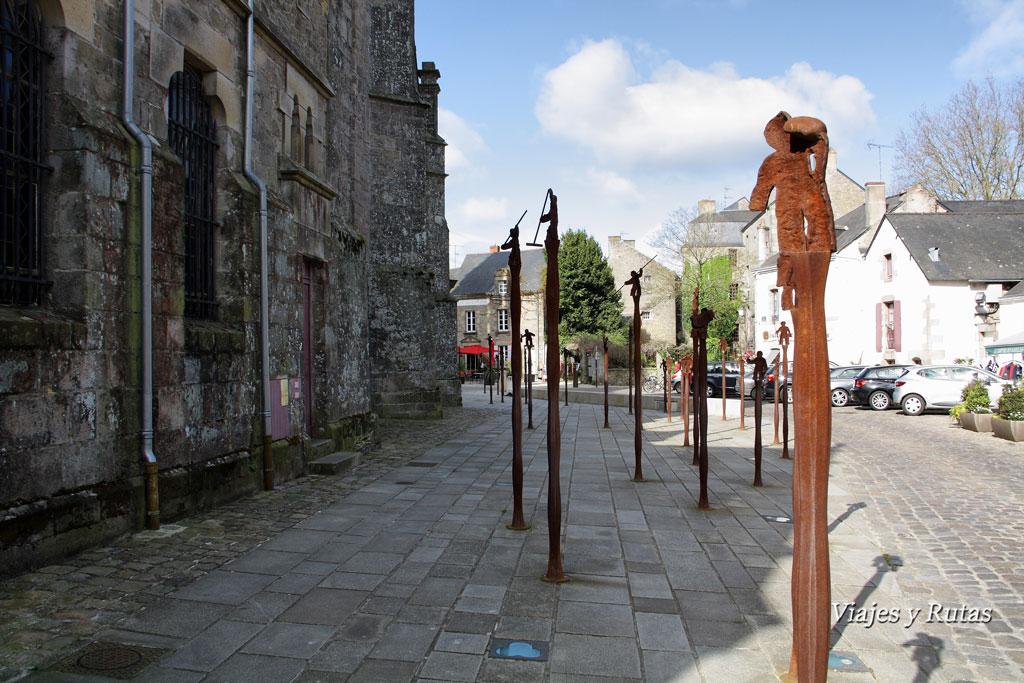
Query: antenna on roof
x: 875, y: 145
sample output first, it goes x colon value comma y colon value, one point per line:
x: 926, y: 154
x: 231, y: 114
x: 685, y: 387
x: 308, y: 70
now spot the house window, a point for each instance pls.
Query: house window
x: 888, y: 332
x: 645, y: 315
x: 502, y: 287
x: 887, y: 267
x: 734, y: 291
x: 502, y: 320
x: 192, y: 135
x: 776, y: 303
x: 22, y: 167
x: 732, y: 258
x: 470, y: 321
x: 647, y: 279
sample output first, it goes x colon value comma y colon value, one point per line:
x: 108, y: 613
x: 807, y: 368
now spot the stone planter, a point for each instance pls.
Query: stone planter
x: 976, y: 422
x: 1011, y: 430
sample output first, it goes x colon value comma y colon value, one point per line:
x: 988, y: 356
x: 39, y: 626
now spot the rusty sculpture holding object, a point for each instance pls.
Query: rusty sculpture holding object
x: 804, y: 255
x: 743, y: 396
x: 684, y: 397
x: 629, y: 367
x: 529, y: 376
x: 635, y: 291
x: 775, y: 374
x: 604, y: 340
x: 515, y: 264
x: 760, y: 368
x: 784, y: 336
x: 699, y: 326
x: 551, y: 296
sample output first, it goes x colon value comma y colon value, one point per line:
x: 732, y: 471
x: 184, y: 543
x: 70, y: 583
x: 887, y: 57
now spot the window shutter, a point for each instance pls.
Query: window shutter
x: 878, y: 327
x: 897, y: 326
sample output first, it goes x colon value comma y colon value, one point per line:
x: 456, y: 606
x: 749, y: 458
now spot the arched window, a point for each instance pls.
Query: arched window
x: 192, y: 134
x: 22, y: 153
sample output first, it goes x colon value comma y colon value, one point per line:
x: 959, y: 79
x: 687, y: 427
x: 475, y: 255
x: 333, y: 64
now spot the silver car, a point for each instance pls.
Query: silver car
x: 842, y: 379
x: 921, y: 388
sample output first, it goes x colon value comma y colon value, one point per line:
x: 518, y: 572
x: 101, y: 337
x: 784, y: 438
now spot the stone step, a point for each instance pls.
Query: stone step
x: 335, y: 463
x: 320, y: 448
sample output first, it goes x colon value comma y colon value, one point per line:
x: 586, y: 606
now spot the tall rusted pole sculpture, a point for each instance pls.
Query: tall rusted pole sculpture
x: 743, y: 396
x: 699, y: 325
x: 784, y: 336
x: 723, y: 344
x: 684, y: 397
x: 565, y: 357
x: 760, y: 368
x: 629, y: 368
x: 551, y: 298
x: 668, y: 390
x: 490, y: 364
x: 664, y: 383
x: 529, y: 376
x: 515, y: 264
x: 693, y: 385
x: 604, y: 341
x: 804, y: 255
x: 638, y: 425
x: 501, y: 376
x: 775, y: 373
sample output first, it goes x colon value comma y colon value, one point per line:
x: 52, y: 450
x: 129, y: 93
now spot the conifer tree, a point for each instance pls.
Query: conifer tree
x: 591, y: 302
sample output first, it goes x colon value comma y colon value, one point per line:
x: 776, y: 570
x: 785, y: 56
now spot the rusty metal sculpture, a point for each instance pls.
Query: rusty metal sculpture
x: 760, y: 369
x: 501, y: 375
x: 668, y: 390
x: 565, y: 369
x: 804, y: 256
x: 515, y: 264
x: 684, y: 397
x: 664, y: 384
x: 775, y: 374
x: 604, y: 341
x: 629, y: 368
x: 490, y: 365
x: 699, y: 326
x: 551, y: 298
x: 723, y: 344
x: 784, y: 336
x: 638, y: 425
x: 743, y: 396
x: 529, y: 376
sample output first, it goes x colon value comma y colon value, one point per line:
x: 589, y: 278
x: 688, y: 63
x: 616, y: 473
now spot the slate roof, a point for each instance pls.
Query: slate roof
x: 980, y: 247
x: 479, y: 279
x: 469, y: 262
x: 731, y: 223
x: 984, y: 206
x: 1015, y: 292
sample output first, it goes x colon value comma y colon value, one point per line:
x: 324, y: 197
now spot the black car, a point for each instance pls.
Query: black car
x: 874, y: 386
x: 842, y: 380
x: 732, y: 375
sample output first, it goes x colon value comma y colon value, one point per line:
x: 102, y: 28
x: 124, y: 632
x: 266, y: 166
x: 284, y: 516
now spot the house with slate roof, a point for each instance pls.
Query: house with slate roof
x: 482, y: 294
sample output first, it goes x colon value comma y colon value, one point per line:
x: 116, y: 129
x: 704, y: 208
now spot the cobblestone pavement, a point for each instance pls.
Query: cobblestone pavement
x: 403, y: 569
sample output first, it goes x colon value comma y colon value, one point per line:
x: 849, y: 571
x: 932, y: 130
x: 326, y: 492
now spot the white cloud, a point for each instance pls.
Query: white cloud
x: 998, y: 48
x: 464, y: 143
x: 484, y: 209
x: 680, y: 114
x: 613, y: 185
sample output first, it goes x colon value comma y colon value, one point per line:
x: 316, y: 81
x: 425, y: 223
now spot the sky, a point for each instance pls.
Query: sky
x: 631, y: 110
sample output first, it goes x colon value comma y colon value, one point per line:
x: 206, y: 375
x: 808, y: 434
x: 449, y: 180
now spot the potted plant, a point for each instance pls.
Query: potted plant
x: 977, y: 412
x: 1009, y: 422
x: 955, y: 412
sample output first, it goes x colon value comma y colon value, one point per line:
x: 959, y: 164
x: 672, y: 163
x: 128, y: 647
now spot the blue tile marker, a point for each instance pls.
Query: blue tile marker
x: 846, y: 661
x: 525, y: 650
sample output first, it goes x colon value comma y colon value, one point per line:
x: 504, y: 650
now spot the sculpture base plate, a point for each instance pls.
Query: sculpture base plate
x: 517, y: 527
x: 556, y: 579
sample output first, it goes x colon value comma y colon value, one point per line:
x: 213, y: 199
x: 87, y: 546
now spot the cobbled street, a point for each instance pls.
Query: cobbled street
x: 403, y: 569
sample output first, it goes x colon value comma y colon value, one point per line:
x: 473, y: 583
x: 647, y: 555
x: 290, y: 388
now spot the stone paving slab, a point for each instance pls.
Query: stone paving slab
x: 367, y: 577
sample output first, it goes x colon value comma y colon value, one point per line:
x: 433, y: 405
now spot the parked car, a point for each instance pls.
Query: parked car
x: 769, y: 383
x: 842, y: 383
x: 874, y: 386
x: 928, y: 387
x: 732, y: 373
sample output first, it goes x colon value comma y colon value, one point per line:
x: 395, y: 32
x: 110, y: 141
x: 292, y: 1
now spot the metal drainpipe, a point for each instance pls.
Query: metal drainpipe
x: 146, y: 218
x: 250, y: 78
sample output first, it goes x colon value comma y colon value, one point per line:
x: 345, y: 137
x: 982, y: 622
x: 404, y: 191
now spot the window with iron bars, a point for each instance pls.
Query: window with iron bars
x: 192, y: 135
x: 22, y: 151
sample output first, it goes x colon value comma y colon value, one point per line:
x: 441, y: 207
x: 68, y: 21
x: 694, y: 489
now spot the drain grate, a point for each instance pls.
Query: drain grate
x: 113, y: 660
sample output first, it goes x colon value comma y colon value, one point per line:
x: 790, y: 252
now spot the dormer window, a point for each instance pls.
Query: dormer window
x: 502, y: 287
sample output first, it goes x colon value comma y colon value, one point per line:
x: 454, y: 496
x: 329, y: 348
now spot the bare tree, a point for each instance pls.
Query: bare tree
x: 972, y: 148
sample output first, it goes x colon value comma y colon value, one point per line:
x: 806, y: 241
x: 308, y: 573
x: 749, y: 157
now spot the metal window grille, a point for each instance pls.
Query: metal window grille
x: 192, y: 135
x: 22, y: 150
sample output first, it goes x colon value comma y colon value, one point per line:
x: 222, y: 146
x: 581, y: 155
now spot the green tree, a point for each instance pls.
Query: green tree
x: 590, y: 301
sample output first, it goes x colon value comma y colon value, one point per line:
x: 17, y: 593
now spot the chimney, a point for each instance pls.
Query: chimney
x: 705, y: 206
x: 874, y: 211
x: 495, y: 248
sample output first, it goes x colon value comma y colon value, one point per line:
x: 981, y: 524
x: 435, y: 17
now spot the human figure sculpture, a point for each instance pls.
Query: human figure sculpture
x: 784, y: 336
x: 528, y: 336
x: 802, y: 195
x: 760, y: 369
x: 699, y: 326
x: 635, y: 291
x: 604, y: 342
x: 685, y: 367
x: 806, y: 240
x: 515, y: 264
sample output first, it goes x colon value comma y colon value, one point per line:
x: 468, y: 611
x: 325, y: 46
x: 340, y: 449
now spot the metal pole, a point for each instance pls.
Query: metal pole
x: 529, y: 378
x: 699, y: 323
x: 743, y: 396
x: 490, y: 365
x: 784, y: 337
x: 668, y: 393
x: 760, y: 367
x: 775, y: 441
x: 722, y: 345
x: 604, y: 339
x: 565, y: 361
x: 638, y: 424
x: 664, y: 384
x: 629, y: 366
x: 684, y: 398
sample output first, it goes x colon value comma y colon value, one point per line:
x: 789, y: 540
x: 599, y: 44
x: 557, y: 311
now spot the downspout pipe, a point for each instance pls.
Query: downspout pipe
x: 146, y: 220
x: 250, y: 80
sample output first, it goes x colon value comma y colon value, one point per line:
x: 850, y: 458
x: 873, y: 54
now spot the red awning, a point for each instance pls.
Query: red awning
x: 474, y: 349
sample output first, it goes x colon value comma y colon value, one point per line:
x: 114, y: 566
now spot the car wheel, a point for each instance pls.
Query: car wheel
x: 879, y: 400
x: 912, y: 404
x: 710, y: 391
x: 840, y: 398
x: 753, y: 394
x: 789, y: 394
x: 676, y: 388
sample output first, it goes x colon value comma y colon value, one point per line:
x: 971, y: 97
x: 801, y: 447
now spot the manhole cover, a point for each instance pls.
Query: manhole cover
x: 112, y: 660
